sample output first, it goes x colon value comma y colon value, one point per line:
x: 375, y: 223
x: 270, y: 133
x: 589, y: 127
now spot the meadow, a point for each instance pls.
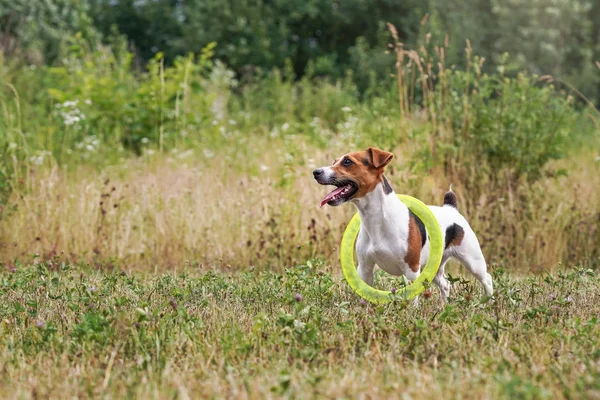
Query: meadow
x: 301, y: 333
x: 160, y: 232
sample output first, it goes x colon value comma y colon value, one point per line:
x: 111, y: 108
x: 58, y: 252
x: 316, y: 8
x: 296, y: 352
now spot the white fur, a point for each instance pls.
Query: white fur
x: 383, y: 240
x: 328, y: 173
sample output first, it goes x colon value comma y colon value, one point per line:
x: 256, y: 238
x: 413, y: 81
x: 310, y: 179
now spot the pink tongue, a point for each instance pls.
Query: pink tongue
x: 331, y: 195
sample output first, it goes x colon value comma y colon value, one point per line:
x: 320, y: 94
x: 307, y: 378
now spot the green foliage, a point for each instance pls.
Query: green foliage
x: 512, y: 125
x: 260, y: 34
x: 157, y: 105
x: 37, y: 30
x: 484, y: 127
x: 94, y: 106
x: 299, y: 333
x: 319, y: 37
x: 558, y: 38
x: 95, y: 99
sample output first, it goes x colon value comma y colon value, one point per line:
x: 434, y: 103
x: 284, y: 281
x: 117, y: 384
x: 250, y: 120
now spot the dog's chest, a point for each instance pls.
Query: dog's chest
x: 391, y: 260
x: 386, y: 250
x: 384, y: 232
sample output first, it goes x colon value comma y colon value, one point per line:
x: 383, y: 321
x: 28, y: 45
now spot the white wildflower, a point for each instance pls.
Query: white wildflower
x: 89, y: 143
x: 299, y: 324
x: 69, y: 113
x: 72, y: 103
x: 38, y: 158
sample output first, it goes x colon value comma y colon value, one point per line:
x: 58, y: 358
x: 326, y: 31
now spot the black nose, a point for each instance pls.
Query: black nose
x: 317, y: 172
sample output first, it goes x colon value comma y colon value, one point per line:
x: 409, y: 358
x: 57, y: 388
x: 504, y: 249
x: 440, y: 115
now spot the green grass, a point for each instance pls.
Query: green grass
x: 299, y: 334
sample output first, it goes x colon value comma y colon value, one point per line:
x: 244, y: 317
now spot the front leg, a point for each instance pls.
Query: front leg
x: 365, y: 268
x: 411, y: 276
x: 366, y: 265
x: 365, y: 271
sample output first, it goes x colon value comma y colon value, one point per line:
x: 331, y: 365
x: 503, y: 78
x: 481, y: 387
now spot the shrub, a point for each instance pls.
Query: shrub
x: 127, y: 108
x: 507, y: 123
x: 493, y: 125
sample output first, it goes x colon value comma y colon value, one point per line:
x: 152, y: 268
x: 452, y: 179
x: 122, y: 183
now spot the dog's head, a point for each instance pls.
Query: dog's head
x: 354, y: 175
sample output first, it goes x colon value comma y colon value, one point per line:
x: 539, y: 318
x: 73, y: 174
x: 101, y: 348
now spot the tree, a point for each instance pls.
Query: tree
x: 555, y: 37
x: 259, y: 33
x: 38, y: 29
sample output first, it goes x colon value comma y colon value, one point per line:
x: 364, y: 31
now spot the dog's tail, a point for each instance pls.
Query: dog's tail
x: 450, y: 199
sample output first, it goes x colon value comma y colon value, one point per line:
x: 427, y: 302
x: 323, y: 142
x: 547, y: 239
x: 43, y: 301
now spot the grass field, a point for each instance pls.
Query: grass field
x: 156, y: 227
x: 298, y: 334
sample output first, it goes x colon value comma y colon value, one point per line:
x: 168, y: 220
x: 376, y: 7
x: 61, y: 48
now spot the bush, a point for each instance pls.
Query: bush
x: 491, y: 127
x: 507, y: 124
x: 121, y: 107
x: 95, y: 97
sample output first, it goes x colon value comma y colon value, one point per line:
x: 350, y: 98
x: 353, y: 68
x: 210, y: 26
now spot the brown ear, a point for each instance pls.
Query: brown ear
x: 379, y: 158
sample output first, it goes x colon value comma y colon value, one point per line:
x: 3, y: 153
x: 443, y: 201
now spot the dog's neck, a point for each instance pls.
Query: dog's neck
x: 378, y: 210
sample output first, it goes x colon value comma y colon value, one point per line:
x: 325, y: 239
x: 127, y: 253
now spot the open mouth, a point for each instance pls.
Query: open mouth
x: 344, y: 192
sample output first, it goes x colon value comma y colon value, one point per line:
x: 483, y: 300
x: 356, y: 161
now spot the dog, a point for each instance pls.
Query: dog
x: 391, y: 236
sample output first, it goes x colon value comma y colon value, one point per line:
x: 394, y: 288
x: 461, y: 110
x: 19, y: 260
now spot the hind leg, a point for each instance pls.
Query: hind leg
x: 469, y: 254
x: 442, y: 282
x: 477, y: 266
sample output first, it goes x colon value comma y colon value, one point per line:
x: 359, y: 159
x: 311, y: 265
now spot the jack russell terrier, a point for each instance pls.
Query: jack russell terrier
x: 391, y: 236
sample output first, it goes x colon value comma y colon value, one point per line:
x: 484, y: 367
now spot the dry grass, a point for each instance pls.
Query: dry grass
x: 157, y: 213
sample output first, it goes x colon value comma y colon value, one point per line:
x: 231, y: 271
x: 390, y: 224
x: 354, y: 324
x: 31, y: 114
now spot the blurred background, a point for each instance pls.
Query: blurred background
x: 159, y: 133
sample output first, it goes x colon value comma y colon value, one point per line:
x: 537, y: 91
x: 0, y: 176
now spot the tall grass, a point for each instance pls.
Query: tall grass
x: 163, y: 212
x: 166, y: 166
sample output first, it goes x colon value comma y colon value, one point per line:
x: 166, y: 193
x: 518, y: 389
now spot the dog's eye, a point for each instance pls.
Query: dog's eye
x: 347, y: 162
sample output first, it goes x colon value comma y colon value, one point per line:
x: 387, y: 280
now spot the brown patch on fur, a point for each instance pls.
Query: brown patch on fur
x: 365, y: 175
x: 379, y: 158
x: 454, y: 235
x: 415, y: 244
x: 459, y: 239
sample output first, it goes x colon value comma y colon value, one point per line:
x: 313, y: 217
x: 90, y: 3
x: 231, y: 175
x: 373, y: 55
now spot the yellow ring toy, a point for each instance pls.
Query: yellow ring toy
x: 415, y: 288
